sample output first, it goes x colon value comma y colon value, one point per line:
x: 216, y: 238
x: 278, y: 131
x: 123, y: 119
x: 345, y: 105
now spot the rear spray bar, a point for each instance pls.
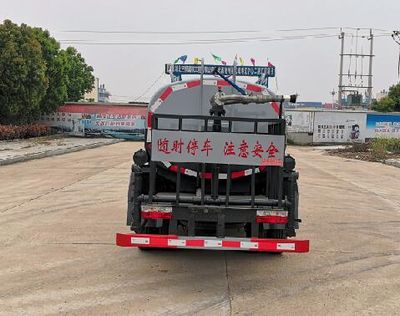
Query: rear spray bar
x: 245, y: 99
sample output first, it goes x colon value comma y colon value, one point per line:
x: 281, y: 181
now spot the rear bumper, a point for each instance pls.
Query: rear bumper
x: 211, y: 243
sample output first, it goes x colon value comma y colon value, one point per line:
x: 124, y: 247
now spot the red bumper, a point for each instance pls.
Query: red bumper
x: 247, y: 244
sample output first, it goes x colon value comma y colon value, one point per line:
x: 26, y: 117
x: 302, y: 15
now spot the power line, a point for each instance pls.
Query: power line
x: 148, y: 88
x: 332, y: 28
x: 234, y: 38
x: 220, y: 31
x: 310, y: 29
x: 199, y: 42
x: 158, y: 32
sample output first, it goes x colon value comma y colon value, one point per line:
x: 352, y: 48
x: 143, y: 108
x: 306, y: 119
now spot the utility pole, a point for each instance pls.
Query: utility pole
x: 396, y: 38
x: 333, y: 92
x: 345, y: 81
x: 371, y: 50
x: 340, y: 88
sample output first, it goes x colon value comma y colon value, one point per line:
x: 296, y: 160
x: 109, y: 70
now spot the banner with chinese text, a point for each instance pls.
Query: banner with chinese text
x: 383, y: 125
x: 221, y: 148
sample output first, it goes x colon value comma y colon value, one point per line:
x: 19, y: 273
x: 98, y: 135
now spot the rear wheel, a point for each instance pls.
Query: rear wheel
x: 131, y: 192
x: 273, y: 233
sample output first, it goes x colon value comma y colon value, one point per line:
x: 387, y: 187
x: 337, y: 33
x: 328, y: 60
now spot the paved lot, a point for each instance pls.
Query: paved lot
x: 58, y: 218
x: 12, y: 151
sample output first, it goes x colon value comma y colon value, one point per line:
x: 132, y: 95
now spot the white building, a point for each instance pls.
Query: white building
x: 93, y: 95
x: 381, y: 94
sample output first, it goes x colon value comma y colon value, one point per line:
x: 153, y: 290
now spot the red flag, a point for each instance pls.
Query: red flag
x: 270, y: 65
x: 253, y: 61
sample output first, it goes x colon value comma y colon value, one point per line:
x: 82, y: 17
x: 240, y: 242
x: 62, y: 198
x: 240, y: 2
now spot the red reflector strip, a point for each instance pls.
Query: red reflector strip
x: 173, y: 241
x: 174, y: 168
x: 272, y: 219
x: 195, y: 243
x: 272, y: 162
x: 237, y: 174
x: 206, y: 175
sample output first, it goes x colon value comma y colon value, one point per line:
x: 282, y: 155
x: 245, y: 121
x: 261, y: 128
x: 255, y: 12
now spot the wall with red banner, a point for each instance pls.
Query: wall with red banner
x: 98, y: 118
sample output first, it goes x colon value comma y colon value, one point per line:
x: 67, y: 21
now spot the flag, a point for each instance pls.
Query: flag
x: 253, y: 61
x: 216, y: 58
x: 270, y: 65
x: 181, y: 58
x: 241, y: 61
x: 196, y: 60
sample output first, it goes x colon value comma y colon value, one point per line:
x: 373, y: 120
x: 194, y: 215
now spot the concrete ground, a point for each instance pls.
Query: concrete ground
x: 19, y: 150
x: 58, y: 217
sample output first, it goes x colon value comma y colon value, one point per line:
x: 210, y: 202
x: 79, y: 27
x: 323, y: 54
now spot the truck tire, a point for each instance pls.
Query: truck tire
x: 277, y: 233
x: 131, y: 192
x: 296, y: 208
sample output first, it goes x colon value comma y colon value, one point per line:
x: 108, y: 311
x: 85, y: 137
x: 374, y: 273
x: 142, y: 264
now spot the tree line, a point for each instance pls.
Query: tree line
x: 389, y: 103
x: 36, y: 75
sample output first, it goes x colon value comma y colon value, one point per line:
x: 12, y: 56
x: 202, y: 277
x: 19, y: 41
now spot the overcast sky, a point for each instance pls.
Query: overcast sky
x: 306, y: 66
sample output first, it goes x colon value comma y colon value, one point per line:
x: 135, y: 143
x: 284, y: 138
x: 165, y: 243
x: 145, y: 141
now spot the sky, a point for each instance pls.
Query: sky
x: 308, y: 66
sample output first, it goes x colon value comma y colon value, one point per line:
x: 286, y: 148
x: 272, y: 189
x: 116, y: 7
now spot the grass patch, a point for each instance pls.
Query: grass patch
x: 378, y: 149
x: 381, y: 148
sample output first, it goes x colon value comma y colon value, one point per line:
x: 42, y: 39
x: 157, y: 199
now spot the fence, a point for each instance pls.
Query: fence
x: 118, y: 120
x: 303, y: 126
x: 309, y: 126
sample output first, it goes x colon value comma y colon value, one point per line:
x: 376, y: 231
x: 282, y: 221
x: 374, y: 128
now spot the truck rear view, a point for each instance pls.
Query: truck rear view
x: 213, y: 173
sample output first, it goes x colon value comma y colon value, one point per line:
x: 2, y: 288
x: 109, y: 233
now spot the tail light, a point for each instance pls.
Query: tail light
x: 156, y: 212
x: 272, y: 216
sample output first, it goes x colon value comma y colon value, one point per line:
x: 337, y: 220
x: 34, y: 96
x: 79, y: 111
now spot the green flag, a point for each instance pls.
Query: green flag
x: 216, y: 58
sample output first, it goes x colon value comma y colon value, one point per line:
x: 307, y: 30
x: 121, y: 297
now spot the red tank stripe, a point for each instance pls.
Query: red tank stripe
x: 192, y: 84
x: 254, y: 88
x: 275, y: 106
x: 166, y: 93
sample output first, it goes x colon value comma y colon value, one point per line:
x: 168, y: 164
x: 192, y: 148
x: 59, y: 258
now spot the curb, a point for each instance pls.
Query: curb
x: 392, y: 162
x: 56, y: 152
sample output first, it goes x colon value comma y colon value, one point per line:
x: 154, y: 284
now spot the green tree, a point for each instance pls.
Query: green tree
x: 56, y: 93
x: 386, y: 104
x: 36, y: 76
x: 23, y: 80
x: 394, y: 94
x: 391, y: 102
x: 79, y: 75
